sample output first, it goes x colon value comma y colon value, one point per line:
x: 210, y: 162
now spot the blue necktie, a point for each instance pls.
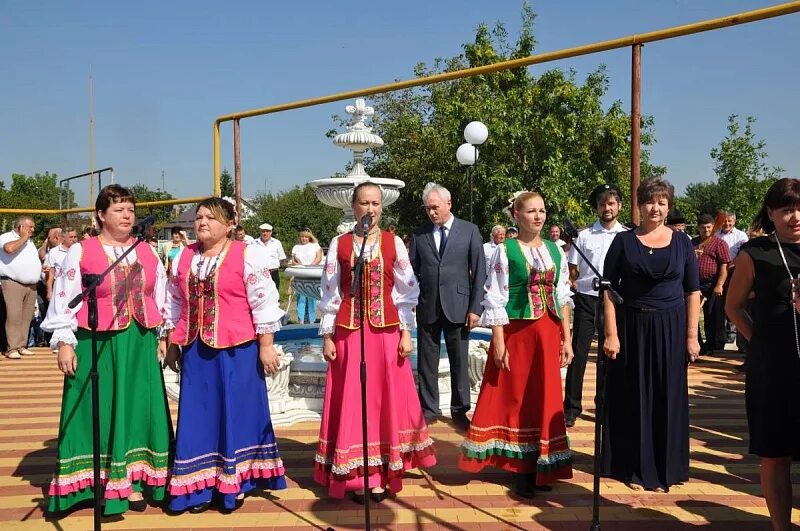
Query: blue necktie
x: 442, y: 239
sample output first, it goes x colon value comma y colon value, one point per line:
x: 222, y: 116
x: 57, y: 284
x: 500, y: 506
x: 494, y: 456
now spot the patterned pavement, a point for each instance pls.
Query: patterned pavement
x: 723, y: 490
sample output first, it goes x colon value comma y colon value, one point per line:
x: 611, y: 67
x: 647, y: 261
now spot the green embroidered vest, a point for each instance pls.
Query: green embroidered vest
x: 531, y: 293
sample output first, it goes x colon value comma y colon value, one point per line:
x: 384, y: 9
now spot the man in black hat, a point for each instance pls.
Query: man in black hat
x: 594, y: 243
x: 677, y: 221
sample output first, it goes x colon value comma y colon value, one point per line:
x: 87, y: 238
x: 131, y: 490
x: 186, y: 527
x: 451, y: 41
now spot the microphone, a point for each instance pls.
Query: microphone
x: 569, y: 228
x: 140, y: 227
x: 366, y: 221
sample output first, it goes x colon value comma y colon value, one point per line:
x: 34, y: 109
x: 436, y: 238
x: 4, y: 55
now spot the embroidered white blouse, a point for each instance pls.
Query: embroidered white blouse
x: 404, y: 293
x: 67, y: 284
x: 262, y: 295
x: 496, y: 287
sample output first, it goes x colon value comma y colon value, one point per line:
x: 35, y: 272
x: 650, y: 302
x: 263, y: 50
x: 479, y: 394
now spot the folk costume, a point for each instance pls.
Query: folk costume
x: 135, y: 429
x: 397, y: 435
x: 518, y: 423
x: 225, y: 444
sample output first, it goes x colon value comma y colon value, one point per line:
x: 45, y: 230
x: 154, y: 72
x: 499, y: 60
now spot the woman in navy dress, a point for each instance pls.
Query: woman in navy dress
x: 650, y: 340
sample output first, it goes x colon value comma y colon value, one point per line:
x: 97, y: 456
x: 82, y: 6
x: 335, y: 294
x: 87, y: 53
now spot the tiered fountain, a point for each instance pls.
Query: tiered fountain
x: 295, y: 392
x: 337, y: 191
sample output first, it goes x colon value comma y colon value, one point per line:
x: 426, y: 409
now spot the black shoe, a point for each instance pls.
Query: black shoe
x: 378, y: 497
x: 430, y: 418
x: 138, y: 505
x: 461, y: 421
x: 358, y: 498
x: 569, y: 420
x: 521, y: 486
x: 197, y: 509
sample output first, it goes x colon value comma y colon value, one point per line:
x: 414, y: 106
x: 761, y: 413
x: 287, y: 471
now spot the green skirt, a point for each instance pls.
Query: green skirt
x: 135, y: 427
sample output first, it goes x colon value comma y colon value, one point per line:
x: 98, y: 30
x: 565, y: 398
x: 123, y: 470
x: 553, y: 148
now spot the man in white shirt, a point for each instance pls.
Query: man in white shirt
x: 731, y: 235
x: 498, y: 236
x: 734, y: 238
x: 594, y: 243
x: 242, y: 236
x: 275, y: 255
x: 20, y: 270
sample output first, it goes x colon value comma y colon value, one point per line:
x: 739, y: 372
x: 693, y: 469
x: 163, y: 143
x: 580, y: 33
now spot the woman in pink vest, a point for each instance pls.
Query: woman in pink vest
x: 397, y: 434
x: 135, y: 428
x: 221, y: 313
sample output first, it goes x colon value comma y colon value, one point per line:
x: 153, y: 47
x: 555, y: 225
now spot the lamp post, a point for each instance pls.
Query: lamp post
x: 475, y: 134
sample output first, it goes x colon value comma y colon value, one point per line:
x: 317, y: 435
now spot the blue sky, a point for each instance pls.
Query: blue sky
x: 163, y: 71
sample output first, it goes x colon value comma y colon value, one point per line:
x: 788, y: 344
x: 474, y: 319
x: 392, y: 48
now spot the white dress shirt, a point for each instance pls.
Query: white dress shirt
x: 23, y: 266
x: 274, y: 252
x: 594, y: 242
x: 734, y: 239
x: 437, y: 230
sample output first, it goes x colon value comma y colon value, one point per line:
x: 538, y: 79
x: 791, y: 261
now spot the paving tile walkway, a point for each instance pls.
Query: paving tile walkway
x: 723, y: 492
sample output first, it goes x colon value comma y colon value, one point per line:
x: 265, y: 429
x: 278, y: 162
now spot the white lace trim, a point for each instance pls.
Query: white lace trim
x: 63, y: 334
x: 268, y: 328
x: 327, y: 324
x: 494, y: 317
x: 341, y: 470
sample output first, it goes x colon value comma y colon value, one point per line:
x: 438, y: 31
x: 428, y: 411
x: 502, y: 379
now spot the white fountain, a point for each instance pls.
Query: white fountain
x: 337, y: 191
x: 296, y: 391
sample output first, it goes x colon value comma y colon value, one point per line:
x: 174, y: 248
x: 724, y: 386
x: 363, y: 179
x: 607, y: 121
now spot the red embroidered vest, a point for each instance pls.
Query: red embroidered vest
x: 127, y: 291
x: 217, y: 308
x: 378, y: 276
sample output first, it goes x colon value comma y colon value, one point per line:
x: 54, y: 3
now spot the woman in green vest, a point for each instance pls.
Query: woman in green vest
x: 518, y: 423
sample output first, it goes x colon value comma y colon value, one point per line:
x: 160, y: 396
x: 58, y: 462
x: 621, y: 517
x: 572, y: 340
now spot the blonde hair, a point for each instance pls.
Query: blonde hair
x: 307, y: 234
x: 520, y: 199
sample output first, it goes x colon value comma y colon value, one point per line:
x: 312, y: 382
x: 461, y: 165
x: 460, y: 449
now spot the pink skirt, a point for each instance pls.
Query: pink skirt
x: 397, y: 435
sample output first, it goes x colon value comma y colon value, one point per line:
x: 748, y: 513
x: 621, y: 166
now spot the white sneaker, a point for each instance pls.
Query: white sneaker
x: 26, y: 352
x: 12, y: 355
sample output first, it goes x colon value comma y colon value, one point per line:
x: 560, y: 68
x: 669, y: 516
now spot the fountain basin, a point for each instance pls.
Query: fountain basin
x: 296, y: 391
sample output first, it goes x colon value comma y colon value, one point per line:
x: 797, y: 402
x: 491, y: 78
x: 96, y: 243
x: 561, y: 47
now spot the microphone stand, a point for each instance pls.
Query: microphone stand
x: 90, y: 283
x: 603, y: 286
x: 358, y: 281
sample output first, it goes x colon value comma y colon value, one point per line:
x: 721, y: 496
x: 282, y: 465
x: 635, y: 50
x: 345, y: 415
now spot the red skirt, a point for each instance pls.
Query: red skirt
x: 518, y: 423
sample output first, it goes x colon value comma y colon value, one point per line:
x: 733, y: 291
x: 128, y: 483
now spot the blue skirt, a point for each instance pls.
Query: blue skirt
x: 225, y: 444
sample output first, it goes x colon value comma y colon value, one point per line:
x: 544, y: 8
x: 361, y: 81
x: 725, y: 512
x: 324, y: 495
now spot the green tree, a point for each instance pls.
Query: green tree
x: 290, y: 211
x: 743, y: 175
x: 142, y: 194
x: 226, y: 184
x: 550, y: 133
x: 39, y: 191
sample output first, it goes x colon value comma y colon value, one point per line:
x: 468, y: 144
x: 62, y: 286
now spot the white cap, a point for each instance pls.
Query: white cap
x: 265, y: 226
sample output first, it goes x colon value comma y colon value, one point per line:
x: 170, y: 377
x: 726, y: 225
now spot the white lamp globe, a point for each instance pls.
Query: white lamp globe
x: 467, y: 154
x: 476, y: 133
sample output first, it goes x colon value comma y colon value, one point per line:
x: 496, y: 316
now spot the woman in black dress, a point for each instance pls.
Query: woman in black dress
x: 649, y: 340
x: 769, y: 266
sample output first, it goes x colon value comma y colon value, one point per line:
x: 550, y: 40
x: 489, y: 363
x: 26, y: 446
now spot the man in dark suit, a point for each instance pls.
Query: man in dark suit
x: 447, y: 256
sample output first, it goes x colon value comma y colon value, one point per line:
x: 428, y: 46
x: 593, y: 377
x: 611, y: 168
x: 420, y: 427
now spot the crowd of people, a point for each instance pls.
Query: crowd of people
x: 537, y: 294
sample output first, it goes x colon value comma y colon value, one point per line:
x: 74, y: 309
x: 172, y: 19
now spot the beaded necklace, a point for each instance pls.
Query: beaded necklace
x: 204, y: 285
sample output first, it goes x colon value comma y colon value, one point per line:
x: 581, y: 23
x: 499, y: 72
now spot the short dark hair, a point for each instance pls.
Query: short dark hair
x: 238, y: 228
x: 109, y: 195
x: 705, y: 219
x: 783, y: 192
x: 175, y: 230
x: 653, y: 188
